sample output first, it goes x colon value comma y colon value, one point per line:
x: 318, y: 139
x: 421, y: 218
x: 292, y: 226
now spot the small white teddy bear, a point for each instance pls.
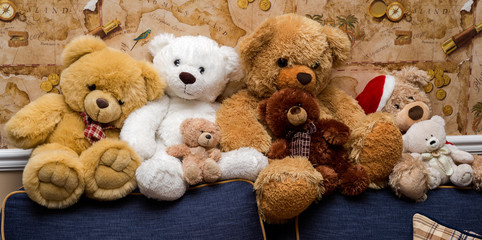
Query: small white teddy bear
x: 197, y: 71
x: 426, y: 141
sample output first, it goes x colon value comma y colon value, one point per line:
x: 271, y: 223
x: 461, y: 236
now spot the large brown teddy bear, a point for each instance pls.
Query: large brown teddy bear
x: 199, y: 151
x: 294, y: 51
x: 293, y: 116
x: 75, y: 136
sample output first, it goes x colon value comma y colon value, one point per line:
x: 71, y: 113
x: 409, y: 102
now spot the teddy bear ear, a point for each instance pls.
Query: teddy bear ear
x: 250, y: 46
x: 79, y: 47
x: 438, y: 119
x: 155, y: 85
x: 233, y: 67
x: 413, y: 75
x: 159, y: 42
x: 339, y: 44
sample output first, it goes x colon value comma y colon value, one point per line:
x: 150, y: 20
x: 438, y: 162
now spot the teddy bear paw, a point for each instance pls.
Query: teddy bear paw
x: 462, y: 175
x: 354, y: 181
x: 211, y: 171
x: 192, y: 174
x: 114, y: 175
x: 336, y: 138
x: 57, y: 181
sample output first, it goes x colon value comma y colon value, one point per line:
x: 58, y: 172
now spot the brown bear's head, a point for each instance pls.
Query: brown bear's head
x: 289, y: 109
x: 200, y: 132
x: 105, y: 83
x: 409, y: 103
x: 291, y: 51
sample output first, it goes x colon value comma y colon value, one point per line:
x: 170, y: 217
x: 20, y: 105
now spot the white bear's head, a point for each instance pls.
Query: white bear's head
x: 194, y: 67
x: 425, y: 136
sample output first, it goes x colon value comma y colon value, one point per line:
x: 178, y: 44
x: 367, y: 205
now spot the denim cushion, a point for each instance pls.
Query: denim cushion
x: 217, y: 211
x: 379, y: 214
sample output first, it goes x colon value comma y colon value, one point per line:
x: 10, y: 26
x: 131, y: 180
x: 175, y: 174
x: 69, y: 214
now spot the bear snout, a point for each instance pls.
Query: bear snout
x: 102, y: 103
x: 187, y: 78
x: 297, y: 115
x: 415, y: 113
x: 303, y: 78
x: 298, y: 76
x: 433, y: 143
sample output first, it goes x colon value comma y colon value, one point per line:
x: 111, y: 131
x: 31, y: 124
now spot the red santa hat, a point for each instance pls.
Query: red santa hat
x: 376, y: 93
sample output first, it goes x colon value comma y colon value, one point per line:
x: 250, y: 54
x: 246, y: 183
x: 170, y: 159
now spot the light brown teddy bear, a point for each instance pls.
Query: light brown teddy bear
x: 294, y: 51
x: 75, y: 136
x: 199, y: 153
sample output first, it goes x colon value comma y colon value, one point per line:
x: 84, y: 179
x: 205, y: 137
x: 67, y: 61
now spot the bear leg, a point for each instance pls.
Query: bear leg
x: 410, y: 178
x: 211, y: 171
x: 330, y: 178
x: 192, y: 172
x: 53, y: 176
x: 377, y: 148
x: 110, y: 167
x: 462, y: 176
x: 354, y: 181
x: 286, y: 187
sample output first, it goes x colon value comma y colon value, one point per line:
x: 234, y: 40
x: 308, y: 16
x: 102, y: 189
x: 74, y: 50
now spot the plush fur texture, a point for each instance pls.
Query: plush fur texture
x: 326, y: 151
x: 426, y: 141
x: 198, y: 152
x: 197, y: 71
x: 285, y: 51
x: 106, y: 84
x: 408, y: 102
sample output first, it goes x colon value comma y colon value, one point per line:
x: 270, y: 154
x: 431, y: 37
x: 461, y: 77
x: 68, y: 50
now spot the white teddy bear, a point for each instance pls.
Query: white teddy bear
x: 426, y: 141
x: 197, y: 71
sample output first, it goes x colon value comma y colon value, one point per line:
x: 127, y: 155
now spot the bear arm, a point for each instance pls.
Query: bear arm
x: 334, y: 132
x: 179, y: 150
x: 214, y: 153
x: 238, y: 119
x: 460, y: 156
x: 33, y: 124
x: 279, y: 149
x: 342, y: 106
x: 140, y: 127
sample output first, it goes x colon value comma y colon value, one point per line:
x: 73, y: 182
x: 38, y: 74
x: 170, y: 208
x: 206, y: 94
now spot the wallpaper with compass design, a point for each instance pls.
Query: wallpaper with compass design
x: 385, y: 34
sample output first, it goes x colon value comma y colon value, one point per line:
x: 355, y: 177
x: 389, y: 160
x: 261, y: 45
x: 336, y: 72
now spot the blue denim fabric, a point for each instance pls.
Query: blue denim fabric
x: 223, y: 211
x: 379, y: 214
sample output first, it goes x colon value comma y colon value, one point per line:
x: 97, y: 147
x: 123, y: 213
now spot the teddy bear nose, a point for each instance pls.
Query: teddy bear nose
x: 187, y: 78
x: 102, y: 103
x: 415, y: 113
x: 208, y: 136
x: 295, y: 110
x: 303, y: 78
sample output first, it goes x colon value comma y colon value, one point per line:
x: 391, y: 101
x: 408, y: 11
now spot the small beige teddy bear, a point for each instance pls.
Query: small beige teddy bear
x: 199, y: 151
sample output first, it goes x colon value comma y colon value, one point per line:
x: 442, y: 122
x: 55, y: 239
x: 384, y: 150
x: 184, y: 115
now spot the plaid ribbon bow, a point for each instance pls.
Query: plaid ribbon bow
x: 94, y: 131
x: 300, y: 141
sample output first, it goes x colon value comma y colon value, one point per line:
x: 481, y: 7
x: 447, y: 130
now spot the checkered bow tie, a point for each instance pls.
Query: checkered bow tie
x: 301, y: 140
x: 94, y: 131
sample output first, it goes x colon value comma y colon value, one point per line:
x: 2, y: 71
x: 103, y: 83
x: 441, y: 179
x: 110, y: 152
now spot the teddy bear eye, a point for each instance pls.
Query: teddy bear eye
x: 282, y: 62
x: 410, y: 98
x: 91, y: 87
x: 177, y: 62
x: 315, y: 66
x: 396, y: 106
x: 201, y: 70
x: 299, y: 104
x: 120, y: 102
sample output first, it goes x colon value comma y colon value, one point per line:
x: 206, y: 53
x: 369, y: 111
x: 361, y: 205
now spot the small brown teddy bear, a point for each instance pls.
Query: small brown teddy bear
x: 75, y: 135
x: 293, y: 116
x: 199, y: 153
